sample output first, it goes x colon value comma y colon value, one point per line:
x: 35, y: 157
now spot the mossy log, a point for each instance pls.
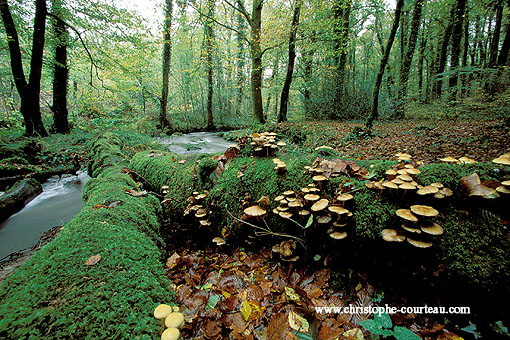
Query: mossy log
x: 56, y: 295
x: 18, y: 196
x: 474, y: 248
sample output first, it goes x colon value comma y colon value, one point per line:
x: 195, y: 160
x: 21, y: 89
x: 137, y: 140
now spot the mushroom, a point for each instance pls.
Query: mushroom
x: 503, y: 159
x: 219, y: 241
x: 413, y: 171
x: 174, y: 320
x: 338, y: 210
x: 285, y: 214
x: 437, y: 185
x: 320, y: 205
x: 432, y: 229
x: 312, y: 197
x: 411, y: 229
x: 449, y: 160
x: 391, y: 235
x: 170, y: 334
x: 161, y: 312
x: 405, y: 178
x: 324, y: 219
x: 424, y: 210
x: 427, y: 190
x: 255, y: 211
x: 390, y: 185
x: 287, y: 250
x: 391, y: 173
x: 406, y: 214
x: 264, y: 201
x: 337, y: 235
x: 419, y: 243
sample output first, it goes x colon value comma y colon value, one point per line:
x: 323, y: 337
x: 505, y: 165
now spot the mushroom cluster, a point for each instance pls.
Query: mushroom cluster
x: 332, y: 214
x: 472, y: 186
x: 280, y: 166
x: 504, y: 187
x: 171, y: 321
x: 265, y: 144
x: 417, y: 229
x: 196, y: 207
x: 401, y: 180
x: 287, y: 250
x: 461, y: 160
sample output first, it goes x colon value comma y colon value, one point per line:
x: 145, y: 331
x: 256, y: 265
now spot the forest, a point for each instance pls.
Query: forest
x: 237, y: 169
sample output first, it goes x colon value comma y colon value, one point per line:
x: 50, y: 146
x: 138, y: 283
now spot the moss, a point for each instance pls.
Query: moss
x: 450, y: 174
x: 205, y: 168
x: 54, y: 295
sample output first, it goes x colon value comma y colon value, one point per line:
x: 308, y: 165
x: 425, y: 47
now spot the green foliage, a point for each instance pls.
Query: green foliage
x: 54, y: 294
x: 205, y: 168
x: 381, y: 325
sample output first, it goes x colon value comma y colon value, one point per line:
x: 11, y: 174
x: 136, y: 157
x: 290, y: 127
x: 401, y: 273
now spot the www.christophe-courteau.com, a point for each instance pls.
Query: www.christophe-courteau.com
x: 351, y: 309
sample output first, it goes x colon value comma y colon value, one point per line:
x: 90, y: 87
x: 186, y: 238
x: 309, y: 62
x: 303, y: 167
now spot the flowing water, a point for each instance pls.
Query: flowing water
x: 57, y: 204
x: 196, y: 142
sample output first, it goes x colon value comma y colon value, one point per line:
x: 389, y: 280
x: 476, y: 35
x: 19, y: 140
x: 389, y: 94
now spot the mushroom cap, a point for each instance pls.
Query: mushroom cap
x: 205, y: 223
x: 320, y: 205
x: 437, y: 185
x: 324, y: 219
x: 338, y: 210
x: 411, y: 228
x: 162, y: 311
x: 337, y: 235
x: 406, y: 214
x: 264, y: 201
x: 390, y: 185
x: 505, y: 160
x: 319, y: 178
x: 419, y: 243
x: 397, y: 181
x: 339, y: 224
x: 170, y: 334
x: 279, y: 198
x: 466, y: 160
x: 391, y: 235
x: 427, y: 190
x: 281, y: 143
x: 413, y: 171
x: 289, y: 193
x: 174, y: 320
x: 312, y: 197
x: 424, y: 210
x: 255, y: 211
x: 506, y: 183
x: 447, y: 192
x: 405, y: 178
x: 201, y: 213
x: 305, y: 190
x: 402, y: 171
x: 407, y: 186
x: 391, y: 172
x: 219, y: 241
x: 295, y: 204
x: 449, y: 160
x: 439, y: 195
x: 304, y: 212
x: 285, y: 214
x: 503, y: 189
x: 432, y: 229
x: 344, y: 197
x: 323, y: 147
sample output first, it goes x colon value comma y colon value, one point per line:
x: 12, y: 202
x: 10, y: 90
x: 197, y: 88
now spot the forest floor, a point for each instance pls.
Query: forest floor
x: 426, y: 140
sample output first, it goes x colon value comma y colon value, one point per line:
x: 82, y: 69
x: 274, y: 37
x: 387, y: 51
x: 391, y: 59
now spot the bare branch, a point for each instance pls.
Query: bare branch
x: 241, y: 9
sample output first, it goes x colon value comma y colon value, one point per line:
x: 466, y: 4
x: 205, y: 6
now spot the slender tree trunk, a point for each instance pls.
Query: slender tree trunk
x: 209, y: 50
x: 408, y: 58
x: 423, y: 44
x: 503, y: 53
x: 60, y: 77
x: 29, y: 92
x: 441, y: 64
x: 167, y: 54
x: 256, y: 62
x: 458, y: 20
x: 282, y: 116
x: 341, y: 12
x: 493, y: 54
x: 240, y: 60
x: 308, y: 71
x: 465, y: 51
x: 384, y: 61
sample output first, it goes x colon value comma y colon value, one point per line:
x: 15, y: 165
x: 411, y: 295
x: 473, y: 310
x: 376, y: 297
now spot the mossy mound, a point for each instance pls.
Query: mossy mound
x: 55, y: 295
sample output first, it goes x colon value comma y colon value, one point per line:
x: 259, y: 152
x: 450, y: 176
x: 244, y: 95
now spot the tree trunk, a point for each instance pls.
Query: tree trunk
x: 240, y: 60
x: 341, y: 12
x: 384, y: 61
x: 423, y: 44
x: 493, y: 54
x: 465, y: 51
x: 60, y: 77
x: 503, y: 53
x: 308, y: 71
x: 282, y: 116
x: 256, y: 62
x: 167, y: 54
x: 458, y: 20
x: 29, y: 92
x: 408, y: 58
x: 209, y: 50
x: 441, y: 63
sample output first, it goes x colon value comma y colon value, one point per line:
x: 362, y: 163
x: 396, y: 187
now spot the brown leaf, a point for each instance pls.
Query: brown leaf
x: 277, y: 327
x: 135, y: 193
x: 330, y: 329
x: 172, y: 260
x: 211, y: 328
x: 93, y: 260
x: 114, y: 204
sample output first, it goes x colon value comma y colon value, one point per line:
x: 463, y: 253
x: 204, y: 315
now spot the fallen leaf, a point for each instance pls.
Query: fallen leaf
x: 245, y: 310
x: 297, y: 322
x: 93, y: 260
x: 172, y: 260
x: 277, y: 327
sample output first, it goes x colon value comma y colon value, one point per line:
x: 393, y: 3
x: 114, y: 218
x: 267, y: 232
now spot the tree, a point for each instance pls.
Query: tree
x: 408, y: 58
x: 442, y: 56
x: 167, y: 53
x: 209, y: 40
x: 282, y: 115
x: 341, y: 14
x: 60, y: 75
x: 29, y: 92
x: 458, y: 20
x: 384, y: 61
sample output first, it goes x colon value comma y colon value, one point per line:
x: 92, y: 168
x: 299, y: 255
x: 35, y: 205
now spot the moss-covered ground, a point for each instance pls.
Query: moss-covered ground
x: 55, y: 295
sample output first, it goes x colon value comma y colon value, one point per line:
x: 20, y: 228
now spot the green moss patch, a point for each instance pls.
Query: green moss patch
x: 55, y: 295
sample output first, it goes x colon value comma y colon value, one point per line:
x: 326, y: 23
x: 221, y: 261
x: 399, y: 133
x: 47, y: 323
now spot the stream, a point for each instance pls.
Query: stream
x: 61, y: 196
x: 57, y: 204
